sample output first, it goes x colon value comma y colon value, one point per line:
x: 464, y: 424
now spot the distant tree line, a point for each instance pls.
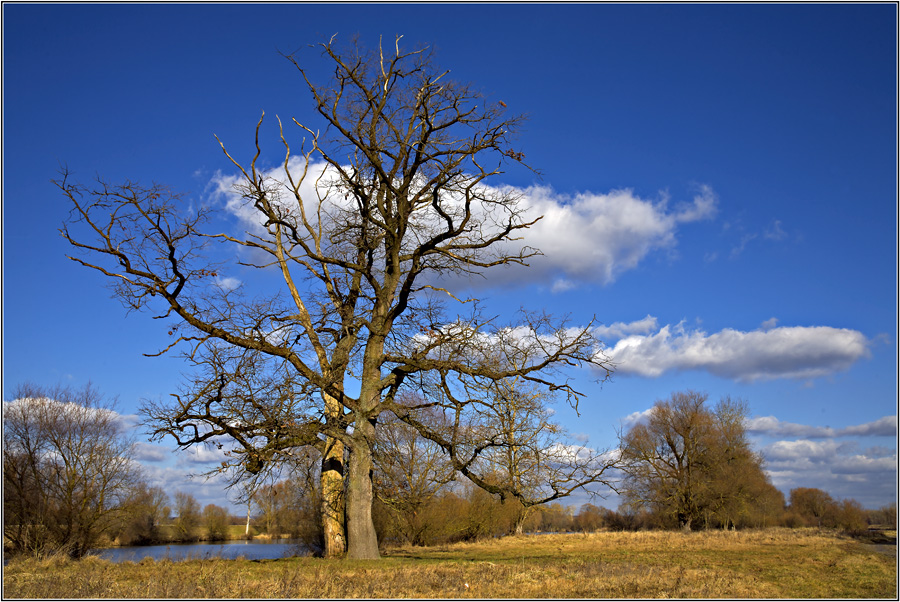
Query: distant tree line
x: 686, y: 466
x: 460, y: 512
x: 70, y: 484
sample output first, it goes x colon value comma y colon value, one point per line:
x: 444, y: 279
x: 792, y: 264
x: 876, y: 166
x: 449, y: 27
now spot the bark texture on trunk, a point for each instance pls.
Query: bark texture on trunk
x: 520, y: 524
x: 362, y: 539
x: 332, y: 480
x: 520, y: 518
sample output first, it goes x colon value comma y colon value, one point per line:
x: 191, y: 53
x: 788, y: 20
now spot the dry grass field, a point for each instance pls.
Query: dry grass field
x: 777, y: 563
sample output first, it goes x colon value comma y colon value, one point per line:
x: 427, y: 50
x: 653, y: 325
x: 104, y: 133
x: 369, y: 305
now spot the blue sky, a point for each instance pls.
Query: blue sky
x: 721, y: 182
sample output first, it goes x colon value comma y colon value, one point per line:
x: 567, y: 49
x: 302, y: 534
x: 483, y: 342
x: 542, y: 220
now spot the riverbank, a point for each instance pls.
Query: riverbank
x: 168, y: 534
x: 777, y: 563
x: 256, y: 549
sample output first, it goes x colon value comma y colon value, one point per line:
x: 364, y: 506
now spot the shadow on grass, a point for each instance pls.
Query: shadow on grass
x: 881, y: 537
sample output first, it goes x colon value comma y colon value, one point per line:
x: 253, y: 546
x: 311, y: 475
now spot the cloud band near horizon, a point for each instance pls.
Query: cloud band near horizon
x: 795, y: 352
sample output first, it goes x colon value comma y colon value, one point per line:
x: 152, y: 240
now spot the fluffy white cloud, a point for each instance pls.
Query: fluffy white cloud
x: 636, y: 418
x: 227, y: 189
x: 621, y: 329
x: 227, y: 283
x: 771, y: 426
x: 884, y: 427
x: 802, y: 450
x: 830, y: 459
x: 587, y: 237
x: 594, y: 237
x: 768, y: 353
x: 769, y: 324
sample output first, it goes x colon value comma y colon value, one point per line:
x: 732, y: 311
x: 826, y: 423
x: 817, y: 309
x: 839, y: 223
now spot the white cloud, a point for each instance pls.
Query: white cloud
x: 840, y: 468
x: 771, y: 426
x: 210, y: 490
x: 745, y: 240
x: 594, y: 237
x: 775, y: 231
x: 587, y: 237
x: 561, y: 285
x: 769, y: 324
x: 826, y: 458
x: 621, y: 329
x: 581, y: 454
x: 636, y: 418
x: 147, y: 452
x: 784, y: 352
x: 200, y: 454
x: 227, y: 283
x: 77, y: 411
x: 562, y: 452
x: 802, y: 450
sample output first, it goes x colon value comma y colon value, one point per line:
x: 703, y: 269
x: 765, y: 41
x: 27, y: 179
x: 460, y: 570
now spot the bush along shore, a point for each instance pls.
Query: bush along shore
x: 168, y: 535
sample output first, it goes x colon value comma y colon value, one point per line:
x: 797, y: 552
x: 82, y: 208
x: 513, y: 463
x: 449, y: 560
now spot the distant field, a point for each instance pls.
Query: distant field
x: 777, y: 563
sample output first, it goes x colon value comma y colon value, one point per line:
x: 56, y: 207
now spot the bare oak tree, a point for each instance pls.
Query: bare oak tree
x: 364, y: 220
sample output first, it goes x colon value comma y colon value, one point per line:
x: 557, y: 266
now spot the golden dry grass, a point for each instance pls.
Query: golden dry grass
x: 752, y: 564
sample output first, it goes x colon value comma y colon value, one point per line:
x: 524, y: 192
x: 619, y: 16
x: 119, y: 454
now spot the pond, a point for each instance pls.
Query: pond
x: 251, y: 550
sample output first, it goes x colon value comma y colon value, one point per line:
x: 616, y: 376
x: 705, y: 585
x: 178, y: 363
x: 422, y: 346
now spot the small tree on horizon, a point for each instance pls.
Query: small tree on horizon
x: 188, y: 515
x: 147, y: 508
x: 688, y: 463
x: 215, y: 522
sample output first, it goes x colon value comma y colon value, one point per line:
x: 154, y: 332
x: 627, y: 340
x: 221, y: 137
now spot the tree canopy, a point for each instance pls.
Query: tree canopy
x: 357, y: 236
x: 690, y: 463
x: 68, y: 473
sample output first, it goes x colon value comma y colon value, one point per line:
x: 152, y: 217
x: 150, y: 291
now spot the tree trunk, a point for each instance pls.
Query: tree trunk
x: 362, y: 539
x: 520, y: 525
x: 521, y: 516
x: 332, y: 486
x: 332, y: 480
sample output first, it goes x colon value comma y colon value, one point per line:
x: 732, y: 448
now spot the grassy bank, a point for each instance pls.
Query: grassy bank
x: 169, y: 534
x: 166, y: 534
x: 753, y: 564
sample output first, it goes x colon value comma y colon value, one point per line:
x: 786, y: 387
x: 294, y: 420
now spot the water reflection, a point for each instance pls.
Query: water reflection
x: 251, y: 550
